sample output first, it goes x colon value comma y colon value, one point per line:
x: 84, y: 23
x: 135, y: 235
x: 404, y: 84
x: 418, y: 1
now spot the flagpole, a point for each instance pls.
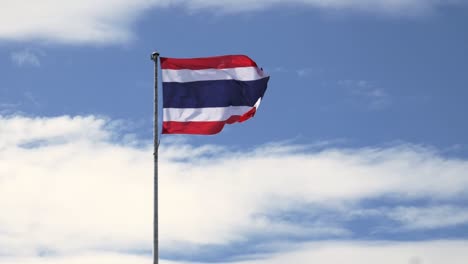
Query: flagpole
x: 154, y: 57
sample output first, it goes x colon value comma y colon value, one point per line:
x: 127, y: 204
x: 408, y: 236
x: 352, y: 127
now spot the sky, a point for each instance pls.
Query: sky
x: 357, y: 154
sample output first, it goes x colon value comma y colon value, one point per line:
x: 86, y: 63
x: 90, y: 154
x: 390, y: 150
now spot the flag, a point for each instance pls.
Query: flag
x: 201, y: 95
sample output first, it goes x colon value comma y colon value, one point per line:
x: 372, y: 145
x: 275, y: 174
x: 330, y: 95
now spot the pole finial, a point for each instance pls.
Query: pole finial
x: 154, y: 55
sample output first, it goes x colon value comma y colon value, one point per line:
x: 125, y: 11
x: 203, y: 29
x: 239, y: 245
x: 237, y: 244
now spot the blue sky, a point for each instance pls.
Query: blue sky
x: 359, y: 148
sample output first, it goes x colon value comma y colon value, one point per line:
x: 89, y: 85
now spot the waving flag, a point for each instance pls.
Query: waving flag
x: 201, y: 95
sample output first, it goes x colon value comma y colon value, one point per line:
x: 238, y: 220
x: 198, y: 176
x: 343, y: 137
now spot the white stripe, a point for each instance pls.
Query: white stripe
x: 203, y: 114
x: 241, y: 74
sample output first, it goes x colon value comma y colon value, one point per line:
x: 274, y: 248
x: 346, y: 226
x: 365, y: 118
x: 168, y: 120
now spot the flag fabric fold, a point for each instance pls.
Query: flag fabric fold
x: 201, y: 95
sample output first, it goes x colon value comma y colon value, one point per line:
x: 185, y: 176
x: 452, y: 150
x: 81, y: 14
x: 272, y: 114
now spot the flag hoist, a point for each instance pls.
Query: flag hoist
x: 200, y: 96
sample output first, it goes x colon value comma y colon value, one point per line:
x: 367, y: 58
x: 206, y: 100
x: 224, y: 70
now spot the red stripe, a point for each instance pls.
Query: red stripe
x: 203, y: 128
x: 218, y: 62
x: 196, y: 128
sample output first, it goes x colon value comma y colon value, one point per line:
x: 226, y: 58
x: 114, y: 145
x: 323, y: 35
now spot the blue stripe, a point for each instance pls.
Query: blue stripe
x: 218, y: 93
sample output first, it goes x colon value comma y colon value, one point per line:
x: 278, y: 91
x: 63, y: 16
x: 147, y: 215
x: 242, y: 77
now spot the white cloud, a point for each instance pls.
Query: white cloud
x: 110, y: 21
x: 438, y: 252
x: 32, y: 99
x: 377, y: 98
x: 304, y: 72
x: 74, y: 21
x: 25, y: 58
x: 85, y: 258
x: 5, y: 105
x: 403, y: 7
x: 430, y: 217
x: 69, y: 188
x: 410, y: 217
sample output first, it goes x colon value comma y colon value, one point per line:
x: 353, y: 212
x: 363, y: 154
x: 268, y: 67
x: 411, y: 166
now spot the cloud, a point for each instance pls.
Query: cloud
x: 384, y: 252
x: 376, y: 97
x: 438, y: 252
x: 402, y: 7
x: 25, y: 58
x: 32, y: 99
x: 7, y: 108
x: 430, y: 217
x: 111, y: 21
x: 71, y: 186
x: 304, y: 72
x: 83, y: 21
x: 86, y: 258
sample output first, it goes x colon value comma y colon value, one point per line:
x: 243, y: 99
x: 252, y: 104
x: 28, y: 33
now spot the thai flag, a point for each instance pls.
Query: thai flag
x: 201, y: 95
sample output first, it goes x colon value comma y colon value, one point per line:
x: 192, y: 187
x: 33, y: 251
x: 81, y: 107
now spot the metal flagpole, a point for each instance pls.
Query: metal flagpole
x: 155, y: 57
